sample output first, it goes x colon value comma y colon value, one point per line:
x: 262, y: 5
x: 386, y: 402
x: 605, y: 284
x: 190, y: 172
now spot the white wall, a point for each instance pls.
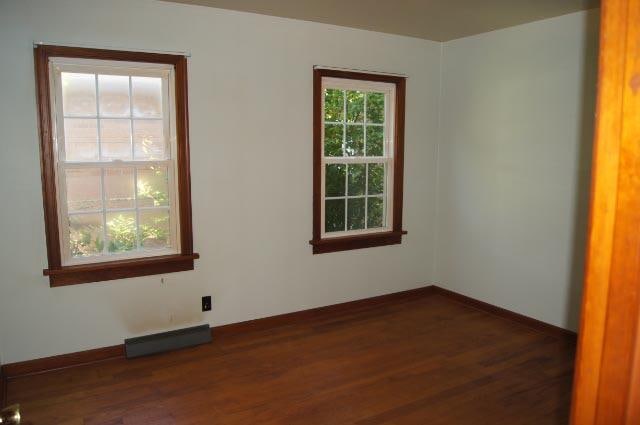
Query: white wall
x: 251, y: 127
x: 514, y: 160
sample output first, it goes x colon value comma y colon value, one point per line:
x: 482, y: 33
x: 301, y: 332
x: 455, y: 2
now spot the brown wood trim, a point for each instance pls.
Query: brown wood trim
x: 29, y: 367
x: 606, y: 374
x: 623, y: 302
x: 326, y: 245
x: 69, y: 275
x: 63, y: 361
x: 344, y: 243
x: 298, y: 316
x: 184, y: 173
x: 112, y: 270
x: 508, y: 314
x: 398, y: 170
x: 47, y: 155
x: 50, y: 50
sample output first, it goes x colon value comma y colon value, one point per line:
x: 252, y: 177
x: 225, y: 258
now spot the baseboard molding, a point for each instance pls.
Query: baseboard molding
x: 30, y: 367
x: 299, y: 316
x: 63, y: 361
x: 507, y: 314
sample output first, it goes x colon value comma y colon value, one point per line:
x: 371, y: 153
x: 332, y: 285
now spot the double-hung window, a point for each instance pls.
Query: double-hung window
x: 358, y: 160
x: 115, y: 164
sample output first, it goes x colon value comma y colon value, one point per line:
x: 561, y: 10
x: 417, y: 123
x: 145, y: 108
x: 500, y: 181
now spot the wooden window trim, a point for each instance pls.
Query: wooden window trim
x: 60, y: 275
x: 366, y: 240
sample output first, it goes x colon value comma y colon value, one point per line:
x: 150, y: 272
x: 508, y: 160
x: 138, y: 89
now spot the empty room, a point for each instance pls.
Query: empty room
x: 320, y: 212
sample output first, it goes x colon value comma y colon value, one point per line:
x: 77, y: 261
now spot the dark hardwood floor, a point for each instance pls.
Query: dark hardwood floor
x: 428, y: 360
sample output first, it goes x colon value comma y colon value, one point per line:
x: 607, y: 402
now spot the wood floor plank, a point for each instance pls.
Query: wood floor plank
x: 415, y: 361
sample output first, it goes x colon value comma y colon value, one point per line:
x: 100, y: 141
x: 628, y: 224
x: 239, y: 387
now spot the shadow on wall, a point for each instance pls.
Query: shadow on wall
x: 583, y: 178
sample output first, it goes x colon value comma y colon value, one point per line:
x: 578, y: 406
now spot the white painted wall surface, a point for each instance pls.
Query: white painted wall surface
x: 514, y: 161
x: 250, y: 94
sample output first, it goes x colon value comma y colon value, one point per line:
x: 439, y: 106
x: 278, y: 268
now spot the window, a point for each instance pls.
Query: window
x: 358, y: 160
x: 115, y: 163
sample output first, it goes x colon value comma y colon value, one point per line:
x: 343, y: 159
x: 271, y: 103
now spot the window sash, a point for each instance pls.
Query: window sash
x: 387, y: 158
x: 99, y: 67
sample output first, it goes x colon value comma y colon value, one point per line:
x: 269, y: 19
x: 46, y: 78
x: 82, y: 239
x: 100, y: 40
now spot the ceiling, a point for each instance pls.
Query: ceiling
x: 438, y: 20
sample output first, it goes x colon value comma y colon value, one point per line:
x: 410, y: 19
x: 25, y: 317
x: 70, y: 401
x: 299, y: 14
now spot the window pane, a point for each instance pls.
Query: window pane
x: 154, y: 228
x: 78, y: 94
x: 81, y: 139
x: 355, y: 106
x: 376, y: 179
x: 113, y: 95
x: 119, y: 187
x: 333, y: 139
x: 115, y: 139
x: 375, y: 212
x: 85, y: 235
x: 148, y: 139
x: 153, y: 186
x: 354, y: 145
x: 83, y: 189
x: 147, y: 96
x: 334, y: 215
x: 375, y: 136
x: 121, y: 231
x: 355, y: 214
x: 357, y: 179
x: 335, y: 179
x: 333, y: 105
x: 375, y: 108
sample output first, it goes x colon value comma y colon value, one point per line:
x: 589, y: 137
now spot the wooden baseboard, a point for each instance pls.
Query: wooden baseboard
x: 507, y: 314
x: 30, y: 367
x: 62, y: 361
x: 298, y: 316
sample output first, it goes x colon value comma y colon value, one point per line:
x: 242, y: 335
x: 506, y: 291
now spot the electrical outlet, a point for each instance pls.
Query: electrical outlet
x: 206, y: 303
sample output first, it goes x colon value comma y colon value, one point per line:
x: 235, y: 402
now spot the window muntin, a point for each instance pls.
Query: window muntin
x: 357, y: 156
x: 115, y: 150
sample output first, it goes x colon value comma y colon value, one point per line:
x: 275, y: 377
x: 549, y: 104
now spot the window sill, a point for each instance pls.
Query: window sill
x: 97, y: 272
x: 345, y: 243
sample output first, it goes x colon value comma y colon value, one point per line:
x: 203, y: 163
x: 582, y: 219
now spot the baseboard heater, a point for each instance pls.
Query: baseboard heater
x: 167, y: 341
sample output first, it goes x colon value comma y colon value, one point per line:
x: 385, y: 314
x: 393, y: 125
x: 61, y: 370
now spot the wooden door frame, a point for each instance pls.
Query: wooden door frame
x: 607, y: 377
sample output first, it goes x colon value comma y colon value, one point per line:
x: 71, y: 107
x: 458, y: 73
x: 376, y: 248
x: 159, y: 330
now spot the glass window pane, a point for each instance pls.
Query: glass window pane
x: 154, y: 229
x: 85, y: 235
x: 121, y: 231
x: 113, y: 95
x: 119, y: 188
x: 354, y: 145
x: 375, y: 212
x: 148, y: 139
x: 115, y: 139
x: 83, y: 189
x: 147, y: 96
x: 355, y: 106
x: 333, y: 135
x: 376, y: 179
x: 81, y: 139
x: 335, y: 180
x: 333, y: 105
x: 357, y: 179
x: 334, y: 215
x: 375, y: 108
x: 153, y: 186
x: 78, y: 94
x: 355, y: 214
x: 375, y: 136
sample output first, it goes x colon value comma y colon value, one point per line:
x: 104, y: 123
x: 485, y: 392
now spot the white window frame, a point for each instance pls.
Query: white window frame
x: 57, y: 65
x: 389, y: 90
